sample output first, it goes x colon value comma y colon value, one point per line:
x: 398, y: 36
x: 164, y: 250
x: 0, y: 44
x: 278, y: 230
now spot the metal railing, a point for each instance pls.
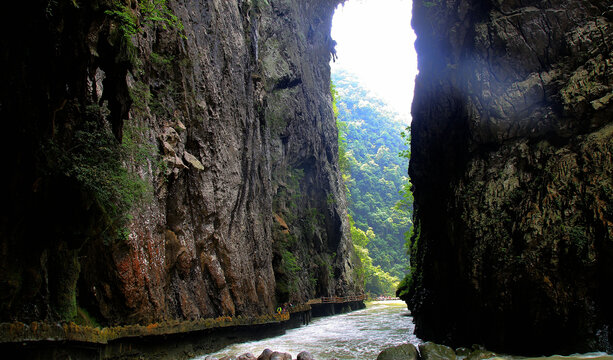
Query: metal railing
x: 338, y: 299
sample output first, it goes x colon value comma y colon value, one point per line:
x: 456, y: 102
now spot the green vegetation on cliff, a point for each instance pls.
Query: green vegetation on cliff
x: 93, y: 159
x: 373, y: 156
x: 150, y: 13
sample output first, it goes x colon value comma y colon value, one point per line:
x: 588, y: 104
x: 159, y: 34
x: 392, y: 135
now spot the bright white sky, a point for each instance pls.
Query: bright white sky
x: 375, y: 42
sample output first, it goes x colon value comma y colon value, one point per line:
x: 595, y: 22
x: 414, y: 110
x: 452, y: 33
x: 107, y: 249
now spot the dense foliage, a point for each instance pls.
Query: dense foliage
x: 374, y: 158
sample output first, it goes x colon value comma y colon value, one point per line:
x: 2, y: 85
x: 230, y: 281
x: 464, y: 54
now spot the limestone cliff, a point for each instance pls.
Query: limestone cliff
x: 175, y: 161
x: 512, y: 138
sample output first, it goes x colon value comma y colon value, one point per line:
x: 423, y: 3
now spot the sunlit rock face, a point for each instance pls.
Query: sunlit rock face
x: 512, y: 142
x: 230, y: 125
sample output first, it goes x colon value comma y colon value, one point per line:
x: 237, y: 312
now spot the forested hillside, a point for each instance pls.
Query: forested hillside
x: 375, y: 175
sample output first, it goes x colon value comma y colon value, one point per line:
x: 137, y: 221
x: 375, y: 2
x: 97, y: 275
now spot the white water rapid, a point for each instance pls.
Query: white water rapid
x: 360, y: 334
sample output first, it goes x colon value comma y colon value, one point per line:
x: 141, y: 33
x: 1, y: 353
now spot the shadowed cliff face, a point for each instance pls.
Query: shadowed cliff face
x: 512, y: 172
x: 227, y: 163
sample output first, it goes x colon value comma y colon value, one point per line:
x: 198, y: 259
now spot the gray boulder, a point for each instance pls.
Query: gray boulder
x: 305, y: 355
x: 265, y: 355
x: 400, y: 352
x: 280, y: 356
x: 247, y: 356
x: 480, y: 354
x: 432, y: 351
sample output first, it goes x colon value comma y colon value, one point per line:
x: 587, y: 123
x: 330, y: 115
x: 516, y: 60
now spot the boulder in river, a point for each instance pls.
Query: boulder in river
x: 400, y: 352
x: 305, y: 355
x: 480, y: 354
x: 265, y: 355
x: 432, y: 351
x: 280, y: 356
x: 462, y: 352
x: 247, y: 356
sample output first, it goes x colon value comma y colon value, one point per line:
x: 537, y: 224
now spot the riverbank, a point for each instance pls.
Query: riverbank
x: 166, y: 340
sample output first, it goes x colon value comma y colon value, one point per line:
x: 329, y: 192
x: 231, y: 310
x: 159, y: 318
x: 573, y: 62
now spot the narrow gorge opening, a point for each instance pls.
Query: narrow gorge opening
x: 373, y: 72
x: 176, y: 184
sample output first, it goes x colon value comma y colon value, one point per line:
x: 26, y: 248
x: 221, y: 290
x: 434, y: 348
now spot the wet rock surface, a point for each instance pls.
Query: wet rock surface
x: 513, y: 176
x: 432, y: 351
x: 280, y: 356
x: 400, y: 352
x: 268, y: 354
x: 305, y: 355
x: 265, y: 355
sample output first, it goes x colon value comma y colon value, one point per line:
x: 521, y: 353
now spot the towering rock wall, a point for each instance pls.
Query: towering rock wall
x: 512, y: 142
x: 170, y: 168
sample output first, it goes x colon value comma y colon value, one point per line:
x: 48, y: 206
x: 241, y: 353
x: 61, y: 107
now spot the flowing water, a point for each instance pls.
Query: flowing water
x: 360, y: 334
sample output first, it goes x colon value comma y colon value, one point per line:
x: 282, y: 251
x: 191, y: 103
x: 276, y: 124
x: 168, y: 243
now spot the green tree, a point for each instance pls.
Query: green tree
x: 369, y: 143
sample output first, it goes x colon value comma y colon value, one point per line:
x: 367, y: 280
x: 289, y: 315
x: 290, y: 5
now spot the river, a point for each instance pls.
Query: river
x: 360, y: 334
